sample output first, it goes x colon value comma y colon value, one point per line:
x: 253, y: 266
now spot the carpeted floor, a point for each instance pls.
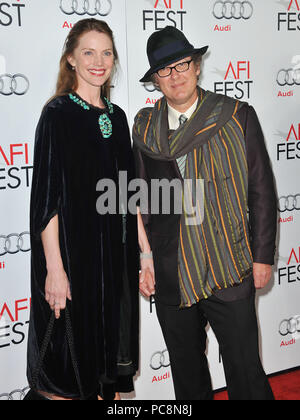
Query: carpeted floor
x: 286, y: 387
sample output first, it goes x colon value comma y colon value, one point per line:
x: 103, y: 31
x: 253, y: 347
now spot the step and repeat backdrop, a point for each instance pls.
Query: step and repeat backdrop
x: 254, y: 56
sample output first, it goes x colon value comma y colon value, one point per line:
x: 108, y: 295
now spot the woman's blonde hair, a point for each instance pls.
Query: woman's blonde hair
x: 67, y: 79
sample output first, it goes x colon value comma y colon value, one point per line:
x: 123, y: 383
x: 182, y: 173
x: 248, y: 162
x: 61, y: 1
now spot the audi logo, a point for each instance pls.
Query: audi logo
x: 151, y: 88
x: 160, y: 359
x: 289, y: 326
x: 16, y: 395
x: 14, y: 243
x: 86, y: 7
x: 289, y: 203
x: 233, y: 10
x: 17, y: 84
x: 289, y: 77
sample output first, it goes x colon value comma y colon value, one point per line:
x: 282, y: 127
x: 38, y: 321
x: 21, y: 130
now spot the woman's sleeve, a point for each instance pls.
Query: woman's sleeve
x: 46, y: 178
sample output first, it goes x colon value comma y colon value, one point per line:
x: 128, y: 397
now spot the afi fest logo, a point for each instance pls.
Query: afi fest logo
x: 231, y: 11
x: 237, y: 80
x: 290, y: 274
x: 15, y: 169
x: 290, y: 148
x: 14, y: 320
x: 164, y: 13
x: 289, y: 20
x: 11, y: 13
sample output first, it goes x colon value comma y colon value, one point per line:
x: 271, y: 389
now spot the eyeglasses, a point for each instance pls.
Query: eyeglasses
x: 180, y: 68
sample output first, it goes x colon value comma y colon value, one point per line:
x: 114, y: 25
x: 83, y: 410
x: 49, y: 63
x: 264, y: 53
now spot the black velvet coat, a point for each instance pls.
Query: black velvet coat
x: 100, y: 256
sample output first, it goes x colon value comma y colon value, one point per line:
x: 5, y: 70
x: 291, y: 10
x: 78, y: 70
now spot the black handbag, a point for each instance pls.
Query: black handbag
x: 32, y: 394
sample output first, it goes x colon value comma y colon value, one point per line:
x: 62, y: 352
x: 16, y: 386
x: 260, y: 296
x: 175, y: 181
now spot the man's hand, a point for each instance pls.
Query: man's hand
x: 262, y: 275
x: 147, y: 277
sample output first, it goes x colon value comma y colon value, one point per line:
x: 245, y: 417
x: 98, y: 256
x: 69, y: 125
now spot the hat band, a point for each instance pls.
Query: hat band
x: 168, y: 50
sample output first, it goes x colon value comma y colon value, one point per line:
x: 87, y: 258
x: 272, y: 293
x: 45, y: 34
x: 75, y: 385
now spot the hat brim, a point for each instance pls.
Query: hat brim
x: 172, y: 59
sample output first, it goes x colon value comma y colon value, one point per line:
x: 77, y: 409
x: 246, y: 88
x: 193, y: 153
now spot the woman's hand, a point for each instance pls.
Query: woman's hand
x: 57, y: 290
x: 57, y: 287
x: 147, y: 277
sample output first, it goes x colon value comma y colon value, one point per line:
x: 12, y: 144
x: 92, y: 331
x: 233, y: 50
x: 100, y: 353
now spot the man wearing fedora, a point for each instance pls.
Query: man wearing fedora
x: 207, y: 271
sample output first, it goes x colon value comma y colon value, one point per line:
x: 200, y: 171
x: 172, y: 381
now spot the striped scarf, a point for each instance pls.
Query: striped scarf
x: 214, y: 254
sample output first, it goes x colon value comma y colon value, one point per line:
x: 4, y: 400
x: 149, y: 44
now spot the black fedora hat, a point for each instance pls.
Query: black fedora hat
x: 166, y: 47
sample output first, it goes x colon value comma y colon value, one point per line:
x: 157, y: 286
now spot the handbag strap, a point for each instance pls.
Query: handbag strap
x: 70, y: 339
x: 44, y: 347
x: 43, y: 350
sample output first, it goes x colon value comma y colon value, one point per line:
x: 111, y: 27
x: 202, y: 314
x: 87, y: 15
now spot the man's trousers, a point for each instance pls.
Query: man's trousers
x: 235, y: 326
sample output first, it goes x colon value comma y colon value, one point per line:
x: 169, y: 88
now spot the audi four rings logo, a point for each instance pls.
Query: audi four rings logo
x: 289, y: 326
x: 17, y: 84
x: 233, y: 10
x: 86, y: 7
x: 14, y: 243
x: 16, y: 395
x: 289, y: 203
x: 160, y: 359
x: 151, y: 88
x: 288, y: 77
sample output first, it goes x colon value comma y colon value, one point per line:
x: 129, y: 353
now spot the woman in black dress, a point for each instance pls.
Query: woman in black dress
x: 82, y: 259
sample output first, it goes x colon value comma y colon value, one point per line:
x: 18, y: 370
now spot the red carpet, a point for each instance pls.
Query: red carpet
x: 286, y: 387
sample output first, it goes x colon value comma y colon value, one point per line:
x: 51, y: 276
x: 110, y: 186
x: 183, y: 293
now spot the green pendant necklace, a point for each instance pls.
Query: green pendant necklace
x: 104, y: 120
